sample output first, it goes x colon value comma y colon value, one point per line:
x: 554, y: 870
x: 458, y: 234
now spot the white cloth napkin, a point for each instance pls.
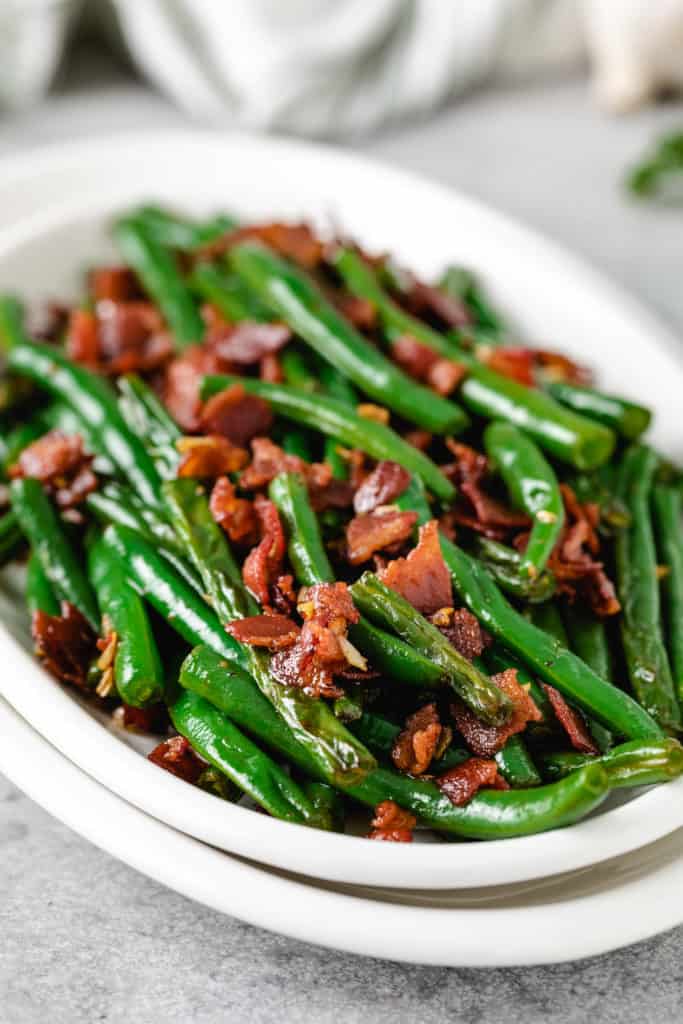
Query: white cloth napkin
x: 339, y: 67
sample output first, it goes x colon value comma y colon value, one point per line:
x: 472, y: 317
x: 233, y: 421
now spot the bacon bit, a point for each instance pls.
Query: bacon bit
x: 420, y: 439
x: 237, y: 415
x: 177, y: 757
x: 425, y: 301
x: 270, y: 369
x: 213, y: 317
x: 268, y: 460
x: 235, y: 515
x: 377, y: 531
x: 295, y: 241
x: 555, y: 366
x: 392, y: 824
x: 118, y: 284
x: 487, y: 740
x: 422, y: 363
x: 247, y: 342
x: 461, y: 783
x: 83, y: 343
x: 476, y: 509
x: 573, y: 559
x: 571, y: 721
x: 120, y: 337
x: 272, y: 631
x: 444, y: 376
x: 422, y: 577
x: 65, y: 643
x: 59, y: 462
x: 422, y: 739
x: 387, y: 481
x: 361, y: 312
x: 209, y: 457
x: 282, y: 592
x: 463, y: 631
x: 514, y: 362
x: 376, y: 413
x: 263, y: 563
x: 322, y: 649
x: 153, y: 719
x: 183, y: 381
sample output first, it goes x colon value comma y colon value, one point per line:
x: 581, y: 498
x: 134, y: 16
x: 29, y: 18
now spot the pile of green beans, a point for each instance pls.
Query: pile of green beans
x: 145, y: 561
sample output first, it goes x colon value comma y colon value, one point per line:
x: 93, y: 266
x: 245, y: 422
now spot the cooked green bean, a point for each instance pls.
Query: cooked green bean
x: 627, y: 418
x: 667, y: 517
x: 637, y: 763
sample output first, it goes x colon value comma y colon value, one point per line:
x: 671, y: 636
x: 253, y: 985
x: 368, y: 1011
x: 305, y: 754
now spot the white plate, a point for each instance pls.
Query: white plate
x: 553, y: 299
x: 577, y: 915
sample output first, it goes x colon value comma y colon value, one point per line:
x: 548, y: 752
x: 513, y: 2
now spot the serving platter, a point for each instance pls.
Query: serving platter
x: 550, y: 296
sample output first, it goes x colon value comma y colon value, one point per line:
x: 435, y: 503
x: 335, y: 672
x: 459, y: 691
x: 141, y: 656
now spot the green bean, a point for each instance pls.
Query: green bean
x: 158, y: 271
x: 516, y: 765
x: 565, y: 435
x: 312, y: 722
x: 222, y: 744
x: 40, y: 597
x: 588, y: 638
x: 50, y: 544
x: 92, y: 400
x: 138, y: 673
x: 489, y: 815
x: 627, y: 418
x: 328, y: 803
x: 637, y: 763
x: 667, y: 518
x: 390, y: 610
x: 295, y: 298
x: 533, y: 487
x: 228, y: 293
x: 148, y: 419
x: 505, y: 565
x: 461, y: 283
x: 636, y: 563
x: 176, y: 232
x: 11, y: 537
x: 336, y: 420
x: 13, y: 389
x: 19, y: 439
x: 307, y: 555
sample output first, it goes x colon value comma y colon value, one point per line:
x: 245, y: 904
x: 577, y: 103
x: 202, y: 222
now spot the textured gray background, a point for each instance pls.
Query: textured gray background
x: 85, y: 939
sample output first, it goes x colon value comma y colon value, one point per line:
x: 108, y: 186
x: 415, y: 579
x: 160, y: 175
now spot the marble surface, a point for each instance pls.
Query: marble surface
x: 84, y: 938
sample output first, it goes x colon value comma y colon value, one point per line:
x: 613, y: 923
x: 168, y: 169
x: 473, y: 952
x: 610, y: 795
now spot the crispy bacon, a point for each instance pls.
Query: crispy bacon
x: 571, y: 721
x: 176, y: 756
x: 475, y: 508
x: 295, y: 241
x: 182, y: 384
x: 361, y: 312
x: 65, y: 643
x: 235, y: 515
x: 444, y: 376
x: 461, y: 783
x: 247, y: 342
x: 516, y: 362
x: 209, y: 457
x: 422, y: 739
x: 153, y: 719
x: 282, y: 593
x: 422, y: 363
x: 322, y: 649
x: 422, y: 577
x: 270, y: 368
x: 119, y: 337
x: 555, y: 366
x: 263, y: 563
x: 60, y: 463
x: 268, y: 460
x: 463, y: 631
x: 425, y: 301
x: 237, y: 415
x: 420, y: 439
x: 487, y: 740
x: 387, y: 482
x: 377, y: 531
x: 272, y: 631
x: 392, y: 824
x: 118, y: 284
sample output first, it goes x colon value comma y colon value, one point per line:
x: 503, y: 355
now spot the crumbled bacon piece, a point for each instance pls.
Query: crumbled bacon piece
x: 176, y: 756
x: 571, y: 721
x: 514, y: 362
x: 61, y: 465
x: 361, y: 312
x: 118, y: 284
x: 295, y: 241
x: 377, y: 531
x: 235, y: 515
x: 387, y: 482
x: 422, y: 577
x: 65, y: 643
x: 263, y: 563
x: 461, y: 783
x: 463, y: 631
x: 272, y: 631
x: 282, y: 593
x: 247, y: 342
x: 268, y: 460
x: 422, y: 363
x: 237, y: 415
x: 270, y: 369
x: 183, y: 382
x: 392, y: 824
x: 153, y: 719
x: 426, y: 301
x: 322, y: 649
x: 487, y: 740
x: 209, y: 457
x: 422, y: 739
x: 420, y: 439
x: 474, y: 508
x: 119, y: 337
x: 83, y: 343
x: 556, y: 366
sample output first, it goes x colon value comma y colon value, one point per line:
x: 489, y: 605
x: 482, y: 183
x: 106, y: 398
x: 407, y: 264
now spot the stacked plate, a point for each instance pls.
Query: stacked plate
x: 608, y: 881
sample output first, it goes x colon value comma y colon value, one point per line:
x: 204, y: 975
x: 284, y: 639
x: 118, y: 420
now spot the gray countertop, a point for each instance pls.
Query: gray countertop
x: 84, y: 938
